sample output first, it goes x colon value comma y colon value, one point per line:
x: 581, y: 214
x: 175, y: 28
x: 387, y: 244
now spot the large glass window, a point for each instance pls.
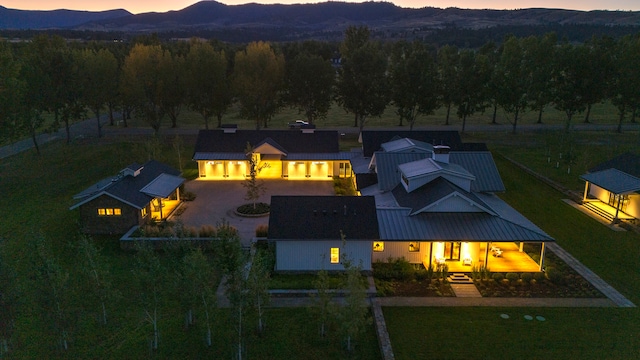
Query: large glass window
x: 378, y: 246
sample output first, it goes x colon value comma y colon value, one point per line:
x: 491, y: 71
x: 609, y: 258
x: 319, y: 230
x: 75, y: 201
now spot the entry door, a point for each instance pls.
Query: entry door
x: 452, y: 251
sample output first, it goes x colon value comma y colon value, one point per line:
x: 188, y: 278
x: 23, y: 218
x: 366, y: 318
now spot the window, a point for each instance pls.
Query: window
x: 378, y: 246
x: 414, y: 247
x: 143, y: 212
x: 109, y: 212
x: 335, y: 255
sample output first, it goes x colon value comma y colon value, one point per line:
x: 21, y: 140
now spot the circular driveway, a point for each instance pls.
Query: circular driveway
x: 216, y: 201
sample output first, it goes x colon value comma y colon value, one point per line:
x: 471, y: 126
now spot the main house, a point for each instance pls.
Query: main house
x: 136, y: 195
x: 435, y: 204
x: 612, y: 189
x: 300, y: 154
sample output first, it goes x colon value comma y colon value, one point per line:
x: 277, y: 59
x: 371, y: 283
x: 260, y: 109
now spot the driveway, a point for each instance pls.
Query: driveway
x: 216, y: 201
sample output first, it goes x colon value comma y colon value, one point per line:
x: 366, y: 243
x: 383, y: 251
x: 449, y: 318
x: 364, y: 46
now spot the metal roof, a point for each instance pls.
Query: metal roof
x: 482, y: 166
x: 627, y: 162
x: 387, y: 166
x: 430, y: 166
x: 162, y: 186
x: 613, y: 180
x: 406, y: 145
x: 397, y: 225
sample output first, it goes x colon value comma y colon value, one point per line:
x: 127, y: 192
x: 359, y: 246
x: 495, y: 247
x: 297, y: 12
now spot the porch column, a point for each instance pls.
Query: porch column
x: 160, y: 206
x: 615, y: 218
x: 431, y: 254
x: 178, y: 194
x: 542, y: 257
x: 521, y: 246
x: 486, y: 255
x: 586, y: 191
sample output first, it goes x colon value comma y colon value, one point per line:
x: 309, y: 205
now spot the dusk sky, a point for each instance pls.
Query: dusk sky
x: 139, y: 6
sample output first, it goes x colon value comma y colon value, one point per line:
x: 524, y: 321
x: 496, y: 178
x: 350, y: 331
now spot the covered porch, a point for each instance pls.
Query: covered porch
x: 496, y: 256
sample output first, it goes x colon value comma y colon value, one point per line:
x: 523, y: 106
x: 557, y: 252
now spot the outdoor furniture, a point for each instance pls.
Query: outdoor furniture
x: 467, y: 262
x: 497, y: 253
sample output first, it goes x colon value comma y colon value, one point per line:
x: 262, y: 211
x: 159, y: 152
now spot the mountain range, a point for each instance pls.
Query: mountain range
x: 309, y: 19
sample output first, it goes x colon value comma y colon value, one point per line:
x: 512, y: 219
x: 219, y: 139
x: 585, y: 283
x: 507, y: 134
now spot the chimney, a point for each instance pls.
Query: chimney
x: 441, y: 153
x: 229, y: 128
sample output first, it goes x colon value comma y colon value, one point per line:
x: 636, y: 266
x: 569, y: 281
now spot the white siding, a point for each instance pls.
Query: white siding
x: 599, y: 193
x: 633, y: 208
x: 308, y: 255
x: 396, y: 249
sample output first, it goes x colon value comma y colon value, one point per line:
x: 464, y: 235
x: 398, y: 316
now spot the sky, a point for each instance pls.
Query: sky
x: 140, y: 6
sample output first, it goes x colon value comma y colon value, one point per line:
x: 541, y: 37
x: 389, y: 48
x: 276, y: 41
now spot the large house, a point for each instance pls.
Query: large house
x: 136, y: 195
x: 299, y: 154
x: 435, y: 205
x: 612, y: 189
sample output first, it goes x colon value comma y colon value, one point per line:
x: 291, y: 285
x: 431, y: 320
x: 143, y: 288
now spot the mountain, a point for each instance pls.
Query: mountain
x: 54, y: 19
x: 325, y: 21
x: 337, y: 15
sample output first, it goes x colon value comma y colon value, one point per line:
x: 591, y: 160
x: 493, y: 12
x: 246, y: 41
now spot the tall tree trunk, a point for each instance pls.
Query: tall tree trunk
x: 464, y: 122
x: 495, y: 112
x: 97, y: 112
x: 219, y: 115
x: 446, y: 121
x: 633, y: 115
x: 34, y: 138
x: 515, y: 120
x: 67, y: 129
x: 206, y: 313
x: 355, y: 120
x: 540, y: 111
x: 586, y: 116
x: 111, y: 118
x: 622, y: 111
x: 104, y: 314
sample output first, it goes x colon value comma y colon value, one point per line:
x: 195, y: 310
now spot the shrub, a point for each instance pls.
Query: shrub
x: 403, y: 269
x: 526, y: 277
x: 262, y: 230
x: 167, y: 232
x: 497, y: 277
x: 430, y: 272
x: 190, y: 231
x: 151, y: 231
x: 536, y: 258
x: 512, y: 277
x: 555, y: 275
x: 249, y: 209
x: 539, y: 276
x: 207, y: 231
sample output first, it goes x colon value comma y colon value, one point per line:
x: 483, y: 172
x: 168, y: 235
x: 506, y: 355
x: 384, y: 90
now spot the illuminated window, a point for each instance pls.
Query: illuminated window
x: 414, y: 247
x: 378, y: 246
x: 143, y: 212
x: 335, y: 255
x: 110, y: 212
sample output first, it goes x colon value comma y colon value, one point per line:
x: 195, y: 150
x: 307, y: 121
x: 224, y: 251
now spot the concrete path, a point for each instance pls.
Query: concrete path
x: 617, y: 298
x: 465, y: 291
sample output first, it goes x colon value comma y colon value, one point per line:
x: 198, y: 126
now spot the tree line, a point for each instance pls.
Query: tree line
x: 49, y: 83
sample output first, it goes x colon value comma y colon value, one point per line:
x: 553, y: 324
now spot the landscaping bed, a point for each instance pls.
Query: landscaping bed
x: 398, y: 277
x: 559, y: 281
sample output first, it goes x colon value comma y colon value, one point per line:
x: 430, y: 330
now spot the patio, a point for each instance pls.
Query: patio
x: 510, y: 260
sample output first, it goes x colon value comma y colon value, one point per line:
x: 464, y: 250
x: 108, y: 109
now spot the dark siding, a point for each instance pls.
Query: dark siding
x: 92, y: 223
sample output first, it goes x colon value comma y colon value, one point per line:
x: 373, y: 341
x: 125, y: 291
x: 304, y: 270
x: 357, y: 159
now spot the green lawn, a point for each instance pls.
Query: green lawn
x: 575, y: 333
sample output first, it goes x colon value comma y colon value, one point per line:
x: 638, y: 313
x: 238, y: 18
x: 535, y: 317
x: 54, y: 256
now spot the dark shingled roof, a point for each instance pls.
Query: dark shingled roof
x: 292, y: 141
x: 627, y: 162
x: 373, y: 140
x: 323, y: 217
x: 127, y: 188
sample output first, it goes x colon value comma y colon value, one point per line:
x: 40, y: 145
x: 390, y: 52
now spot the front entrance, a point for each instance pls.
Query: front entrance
x: 451, y: 251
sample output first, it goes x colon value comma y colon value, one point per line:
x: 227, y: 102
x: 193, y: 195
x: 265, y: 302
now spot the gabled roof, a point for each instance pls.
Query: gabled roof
x: 323, y: 218
x: 613, y: 180
x: 288, y: 141
x: 269, y: 142
x: 372, y: 140
x: 482, y: 166
x: 396, y: 224
x: 407, y: 145
x: 154, y: 177
x: 433, y: 192
x: 430, y: 166
x: 627, y: 162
